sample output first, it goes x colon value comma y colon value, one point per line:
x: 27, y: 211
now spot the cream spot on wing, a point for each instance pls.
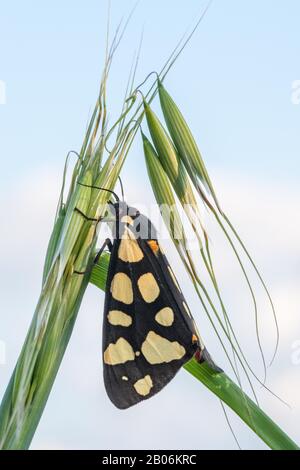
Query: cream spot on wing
x: 126, y: 219
x: 137, y: 353
x: 121, y: 288
x: 157, y: 349
x: 174, y: 278
x: 118, y: 353
x: 129, y: 250
x: 165, y: 316
x: 187, y: 309
x: 125, y: 378
x: 143, y: 386
x: 116, y: 317
x: 148, y: 287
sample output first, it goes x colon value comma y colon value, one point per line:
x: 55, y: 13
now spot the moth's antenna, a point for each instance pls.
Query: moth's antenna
x: 122, y: 188
x: 102, y: 189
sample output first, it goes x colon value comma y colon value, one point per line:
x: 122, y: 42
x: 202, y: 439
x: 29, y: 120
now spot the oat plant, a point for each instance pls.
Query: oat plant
x: 177, y: 174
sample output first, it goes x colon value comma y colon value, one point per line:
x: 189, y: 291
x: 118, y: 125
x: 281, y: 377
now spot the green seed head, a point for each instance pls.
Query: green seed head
x: 162, y: 190
x: 172, y: 165
x: 163, y: 144
x: 184, y: 141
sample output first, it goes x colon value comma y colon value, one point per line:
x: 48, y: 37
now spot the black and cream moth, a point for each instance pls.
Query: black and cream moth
x: 148, y: 330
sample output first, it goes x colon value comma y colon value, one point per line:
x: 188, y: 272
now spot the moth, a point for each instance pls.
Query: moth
x: 148, y: 330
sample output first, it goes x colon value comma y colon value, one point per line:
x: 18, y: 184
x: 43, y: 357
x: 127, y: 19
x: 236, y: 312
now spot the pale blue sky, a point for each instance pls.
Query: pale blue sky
x: 238, y: 68
x: 234, y: 85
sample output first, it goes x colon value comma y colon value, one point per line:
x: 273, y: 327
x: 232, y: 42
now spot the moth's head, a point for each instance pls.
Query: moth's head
x: 131, y: 217
x: 125, y: 213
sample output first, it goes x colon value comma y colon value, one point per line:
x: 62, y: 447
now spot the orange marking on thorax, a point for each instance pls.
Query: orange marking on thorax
x: 153, y: 245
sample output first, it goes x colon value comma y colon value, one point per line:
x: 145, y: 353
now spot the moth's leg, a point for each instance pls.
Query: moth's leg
x: 108, y: 244
x: 91, y: 219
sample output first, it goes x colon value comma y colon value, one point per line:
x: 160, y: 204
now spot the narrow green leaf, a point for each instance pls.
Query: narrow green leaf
x: 224, y: 388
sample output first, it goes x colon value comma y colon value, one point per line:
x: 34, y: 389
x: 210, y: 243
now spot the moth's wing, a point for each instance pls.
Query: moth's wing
x: 147, y: 333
